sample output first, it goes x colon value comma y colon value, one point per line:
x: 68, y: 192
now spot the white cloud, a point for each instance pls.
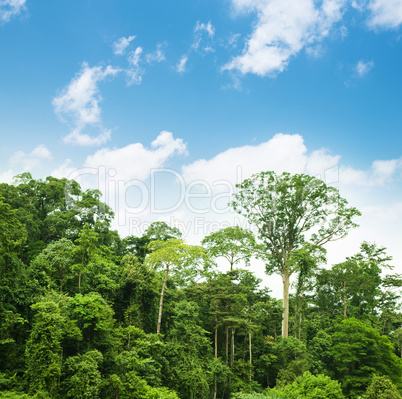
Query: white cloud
x: 135, y: 72
x: 7, y: 176
x: 64, y: 170
x: 134, y: 57
x: 315, y: 51
x: 10, y: 8
x: 158, y: 55
x: 283, y: 28
x: 136, y: 161
x: 24, y: 162
x: 233, y: 40
x: 120, y: 45
x: 181, y: 66
x: 381, y: 172
x: 283, y: 152
x: 208, y: 28
x: 359, y: 4
x: 363, y: 68
x: 343, y: 30
x: 385, y: 13
x: 77, y: 137
x: 203, y: 33
x: 79, y: 104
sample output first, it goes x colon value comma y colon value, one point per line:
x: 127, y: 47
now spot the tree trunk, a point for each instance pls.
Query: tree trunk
x: 216, y: 345
x: 216, y: 331
x: 285, y: 322
x: 79, y: 276
x: 232, y: 349
x: 227, y: 344
x: 251, y: 359
x: 231, y: 354
x: 161, y: 301
x: 344, y: 300
x: 300, y: 325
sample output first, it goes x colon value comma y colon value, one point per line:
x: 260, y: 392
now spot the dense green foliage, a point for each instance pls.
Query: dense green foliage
x: 87, y: 314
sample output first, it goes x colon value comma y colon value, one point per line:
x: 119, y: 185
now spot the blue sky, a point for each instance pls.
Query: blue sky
x: 298, y: 85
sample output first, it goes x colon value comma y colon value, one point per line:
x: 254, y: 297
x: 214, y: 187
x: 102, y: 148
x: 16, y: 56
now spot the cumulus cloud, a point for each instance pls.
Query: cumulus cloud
x: 386, y: 14
x: 284, y: 152
x: 381, y: 172
x: 7, y: 176
x: 11, y: 8
x: 120, y: 45
x: 181, y: 66
x: 27, y: 161
x: 64, y: 170
x: 363, y: 68
x: 283, y: 28
x: 135, y: 161
x: 79, y: 105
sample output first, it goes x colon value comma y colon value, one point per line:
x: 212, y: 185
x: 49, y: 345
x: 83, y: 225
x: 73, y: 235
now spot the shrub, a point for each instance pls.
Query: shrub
x: 381, y: 387
x: 309, y: 386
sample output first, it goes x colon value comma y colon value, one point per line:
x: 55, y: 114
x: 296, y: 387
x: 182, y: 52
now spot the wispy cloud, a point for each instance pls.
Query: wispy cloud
x: 385, y: 14
x: 11, y: 8
x: 233, y: 40
x: 203, y: 33
x: 79, y: 105
x: 283, y: 28
x: 363, y: 68
x: 208, y: 28
x: 202, y: 43
x: 135, y: 71
x: 120, y: 45
x: 158, y: 55
x: 181, y: 66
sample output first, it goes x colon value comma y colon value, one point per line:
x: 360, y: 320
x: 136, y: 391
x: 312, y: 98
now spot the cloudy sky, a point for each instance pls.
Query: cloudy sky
x: 165, y: 105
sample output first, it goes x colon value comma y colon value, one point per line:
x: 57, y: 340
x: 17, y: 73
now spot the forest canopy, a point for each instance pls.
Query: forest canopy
x: 85, y: 313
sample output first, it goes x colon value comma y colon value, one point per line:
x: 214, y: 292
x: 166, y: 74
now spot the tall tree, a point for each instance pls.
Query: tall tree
x: 355, y: 288
x: 289, y: 210
x: 87, y: 240
x: 174, y: 253
x: 235, y: 244
x: 306, y: 260
x: 157, y: 231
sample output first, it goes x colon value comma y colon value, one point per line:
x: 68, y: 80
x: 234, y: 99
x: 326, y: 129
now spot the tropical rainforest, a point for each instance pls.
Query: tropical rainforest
x: 85, y: 313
